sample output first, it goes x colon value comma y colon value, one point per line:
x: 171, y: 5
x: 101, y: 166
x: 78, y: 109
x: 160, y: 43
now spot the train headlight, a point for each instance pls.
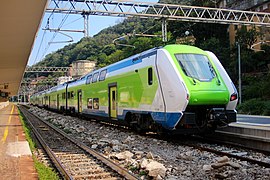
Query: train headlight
x: 233, y: 97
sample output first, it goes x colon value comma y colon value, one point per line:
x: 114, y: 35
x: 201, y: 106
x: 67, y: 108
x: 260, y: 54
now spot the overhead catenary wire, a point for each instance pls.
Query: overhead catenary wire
x: 42, y: 39
x: 43, y: 36
x: 72, y: 22
x: 56, y: 32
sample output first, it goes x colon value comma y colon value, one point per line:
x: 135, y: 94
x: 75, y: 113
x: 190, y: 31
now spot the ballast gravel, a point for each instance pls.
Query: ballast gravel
x: 151, y: 158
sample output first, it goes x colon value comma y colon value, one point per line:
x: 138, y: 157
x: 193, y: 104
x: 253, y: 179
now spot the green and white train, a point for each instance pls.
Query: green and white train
x: 178, y: 88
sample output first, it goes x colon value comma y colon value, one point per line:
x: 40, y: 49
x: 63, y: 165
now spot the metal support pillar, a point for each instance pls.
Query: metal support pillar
x: 86, y: 25
x: 164, y: 30
x: 24, y: 98
x: 239, y: 74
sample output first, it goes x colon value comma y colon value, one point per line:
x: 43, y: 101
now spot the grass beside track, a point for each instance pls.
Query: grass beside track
x: 44, y: 172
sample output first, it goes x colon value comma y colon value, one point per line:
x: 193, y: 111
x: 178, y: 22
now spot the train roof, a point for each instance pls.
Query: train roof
x: 113, y: 66
x: 140, y: 55
x: 77, y: 82
x: 82, y: 80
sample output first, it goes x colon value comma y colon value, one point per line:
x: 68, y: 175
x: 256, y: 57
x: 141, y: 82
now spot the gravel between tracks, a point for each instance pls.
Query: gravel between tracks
x: 135, y: 152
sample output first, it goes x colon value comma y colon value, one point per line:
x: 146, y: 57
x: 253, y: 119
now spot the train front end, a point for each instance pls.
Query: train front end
x: 211, y: 95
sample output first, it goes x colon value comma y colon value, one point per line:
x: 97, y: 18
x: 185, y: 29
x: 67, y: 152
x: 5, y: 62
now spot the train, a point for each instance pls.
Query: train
x: 179, y: 89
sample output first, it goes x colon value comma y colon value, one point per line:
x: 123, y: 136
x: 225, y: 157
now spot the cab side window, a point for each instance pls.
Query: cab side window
x: 150, y: 76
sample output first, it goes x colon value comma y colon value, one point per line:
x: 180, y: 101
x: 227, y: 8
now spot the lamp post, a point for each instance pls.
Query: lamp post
x: 239, y: 73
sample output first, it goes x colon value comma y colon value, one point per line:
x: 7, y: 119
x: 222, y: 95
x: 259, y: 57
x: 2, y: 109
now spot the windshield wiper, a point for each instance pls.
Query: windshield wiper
x: 183, y: 68
x: 214, y: 73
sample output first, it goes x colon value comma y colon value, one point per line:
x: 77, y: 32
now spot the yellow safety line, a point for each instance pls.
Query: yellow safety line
x: 6, y: 129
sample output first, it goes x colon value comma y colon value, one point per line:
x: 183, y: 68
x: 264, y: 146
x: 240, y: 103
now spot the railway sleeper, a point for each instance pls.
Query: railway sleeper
x: 88, y: 170
x: 80, y: 161
x: 94, y: 176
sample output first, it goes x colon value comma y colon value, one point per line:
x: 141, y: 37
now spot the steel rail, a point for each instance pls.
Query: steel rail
x: 199, y: 138
x: 45, y: 146
x: 120, y: 170
x: 253, y: 161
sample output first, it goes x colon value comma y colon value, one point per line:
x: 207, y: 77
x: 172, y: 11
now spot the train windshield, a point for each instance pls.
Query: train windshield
x: 196, y: 66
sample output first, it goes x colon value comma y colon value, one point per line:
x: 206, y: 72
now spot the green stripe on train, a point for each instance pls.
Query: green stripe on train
x: 132, y: 90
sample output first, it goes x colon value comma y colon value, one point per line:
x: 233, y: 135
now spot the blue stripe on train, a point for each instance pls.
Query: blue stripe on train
x: 95, y: 113
x: 167, y: 120
x: 130, y: 62
x: 123, y: 65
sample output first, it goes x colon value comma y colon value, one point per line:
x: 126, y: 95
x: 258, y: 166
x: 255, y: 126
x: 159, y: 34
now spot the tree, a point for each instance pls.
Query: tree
x: 247, y: 37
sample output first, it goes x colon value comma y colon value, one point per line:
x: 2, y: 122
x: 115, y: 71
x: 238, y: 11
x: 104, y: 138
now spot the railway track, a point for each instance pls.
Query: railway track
x: 73, y: 159
x: 215, y: 145
x: 223, y: 149
x: 212, y: 145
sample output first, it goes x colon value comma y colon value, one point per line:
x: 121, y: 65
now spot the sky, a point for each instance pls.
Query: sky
x: 47, y: 42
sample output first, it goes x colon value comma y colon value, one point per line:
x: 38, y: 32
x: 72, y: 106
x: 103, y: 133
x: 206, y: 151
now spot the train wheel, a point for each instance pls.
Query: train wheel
x: 136, y: 123
x: 160, y: 131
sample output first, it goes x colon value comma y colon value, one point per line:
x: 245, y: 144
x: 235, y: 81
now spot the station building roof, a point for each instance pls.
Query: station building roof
x: 19, y: 21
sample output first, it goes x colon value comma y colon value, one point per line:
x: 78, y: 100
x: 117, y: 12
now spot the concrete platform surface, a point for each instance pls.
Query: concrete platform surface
x: 3, y: 104
x: 15, y: 156
x: 249, y: 131
x: 253, y: 120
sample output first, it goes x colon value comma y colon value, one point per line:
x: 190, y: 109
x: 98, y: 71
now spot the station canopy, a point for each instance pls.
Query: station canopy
x: 19, y: 21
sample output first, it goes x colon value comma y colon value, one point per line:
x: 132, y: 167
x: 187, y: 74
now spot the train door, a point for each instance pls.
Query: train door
x: 79, y: 101
x: 49, y: 104
x: 57, y: 101
x: 113, y: 101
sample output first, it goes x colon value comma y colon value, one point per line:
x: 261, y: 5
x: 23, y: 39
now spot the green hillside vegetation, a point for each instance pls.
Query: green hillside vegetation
x: 212, y: 37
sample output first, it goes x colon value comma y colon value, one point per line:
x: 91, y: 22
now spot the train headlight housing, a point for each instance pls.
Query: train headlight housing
x: 233, y: 97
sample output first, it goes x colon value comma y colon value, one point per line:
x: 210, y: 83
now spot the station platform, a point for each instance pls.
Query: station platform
x: 253, y: 120
x: 249, y: 131
x: 15, y: 156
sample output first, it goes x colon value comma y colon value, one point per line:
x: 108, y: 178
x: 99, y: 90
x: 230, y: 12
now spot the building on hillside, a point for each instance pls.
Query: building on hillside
x: 250, y: 5
x: 63, y: 79
x: 81, y: 67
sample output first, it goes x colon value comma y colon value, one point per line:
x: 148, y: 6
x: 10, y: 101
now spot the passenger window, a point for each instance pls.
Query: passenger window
x: 88, y: 79
x: 102, y: 75
x: 96, y: 103
x: 63, y: 95
x: 90, y: 103
x: 95, y: 76
x: 72, y: 95
x: 150, y: 76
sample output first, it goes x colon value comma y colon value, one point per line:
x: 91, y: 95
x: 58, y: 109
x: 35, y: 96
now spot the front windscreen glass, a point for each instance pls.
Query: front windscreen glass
x: 196, y: 66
